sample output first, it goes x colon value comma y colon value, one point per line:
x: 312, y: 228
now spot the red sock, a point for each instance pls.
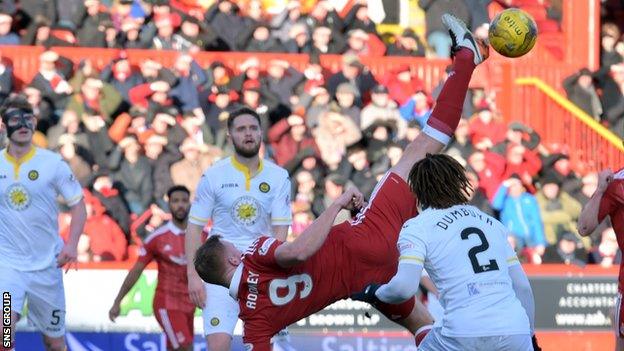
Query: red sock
x: 447, y: 111
x: 421, y: 333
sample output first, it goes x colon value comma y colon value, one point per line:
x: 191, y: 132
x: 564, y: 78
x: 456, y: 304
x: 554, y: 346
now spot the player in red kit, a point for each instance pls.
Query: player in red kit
x: 608, y: 200
x: 173, y: 308
x: 278, y: 283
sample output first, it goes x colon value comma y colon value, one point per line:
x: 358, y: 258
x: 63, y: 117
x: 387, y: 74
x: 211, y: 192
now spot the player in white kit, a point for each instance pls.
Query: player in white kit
x: 487, y: 299
x: 32, y: 253
x: 246, y: 197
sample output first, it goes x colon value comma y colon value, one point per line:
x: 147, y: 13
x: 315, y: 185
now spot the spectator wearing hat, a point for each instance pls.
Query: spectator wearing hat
x: 333, y: 187
x: 333, y: 134
x: 345, y: 102
x: 520, y: 213
x: 282, y: 79
x: 382, y: 108
x: 165, y: 38
x: 325, y: 41
x: 258, y: 39
x: 437, y: 36
x: 217, y: 76
x: 102, y: 187
x: 224, y: 17
x: 518, y: 134
x: 195, y: 36
x: 152, y: 97
x: 298, y: 41
x: 581, y: 91
x: 7, y: 37
x: 79, y: 166
x: 120, y: 75
x: 357, y: 74
x: 560, y: 166
x: 417, y: 108
x: 288, y: 137
x: 134, y: 171
x: 568, y: 250
x: 89, y: 21
x: 51, y: 82
x: 92, y: 96
x: 407, y: 44
x: 190, y: 168
x: 560, y: 211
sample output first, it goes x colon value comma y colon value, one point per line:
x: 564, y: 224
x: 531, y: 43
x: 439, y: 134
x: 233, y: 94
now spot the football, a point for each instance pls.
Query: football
x: 513, y: 33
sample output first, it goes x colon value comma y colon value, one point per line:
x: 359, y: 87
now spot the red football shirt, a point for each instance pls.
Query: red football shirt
x: 612, y: 205
x: 166, y: 246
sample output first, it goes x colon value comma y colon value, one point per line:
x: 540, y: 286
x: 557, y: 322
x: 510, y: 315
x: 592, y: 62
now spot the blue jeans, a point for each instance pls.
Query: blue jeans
x: 440, y: 42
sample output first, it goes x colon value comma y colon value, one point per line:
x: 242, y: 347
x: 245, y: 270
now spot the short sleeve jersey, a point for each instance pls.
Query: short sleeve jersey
x: 467, y: 256
x: 612, y: 205
x: 242, y: 206
x: 166, y: 246
x: 29, y: 188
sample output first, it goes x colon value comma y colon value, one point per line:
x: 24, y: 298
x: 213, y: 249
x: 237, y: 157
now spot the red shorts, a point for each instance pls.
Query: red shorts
x: 177, y: 325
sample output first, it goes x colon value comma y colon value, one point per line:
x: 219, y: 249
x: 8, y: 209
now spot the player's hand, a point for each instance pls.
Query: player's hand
x: 604, y: 178
x: 535, y: 345
x: 67, y: 256
x: 197, y: 291
x: 350, y: 199
x: 368, y: 295
x: 114, y: 312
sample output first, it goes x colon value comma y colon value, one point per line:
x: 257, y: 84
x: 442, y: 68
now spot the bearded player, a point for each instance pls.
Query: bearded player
x: 277, y: 283
x: 608, y: 200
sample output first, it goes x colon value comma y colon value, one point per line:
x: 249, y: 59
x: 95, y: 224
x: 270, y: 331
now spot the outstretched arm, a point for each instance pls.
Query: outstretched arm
x: 308, y: 243
x: 588, y: 220
x: 403, y: 286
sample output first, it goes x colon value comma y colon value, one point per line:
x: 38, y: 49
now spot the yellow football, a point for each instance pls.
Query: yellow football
x: 513, y: 33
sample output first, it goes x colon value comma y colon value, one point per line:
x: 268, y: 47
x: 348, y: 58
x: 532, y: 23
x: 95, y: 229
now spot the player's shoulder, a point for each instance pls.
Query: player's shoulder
x: 273, y: 169
x: 219, y: 166
x: 45, y: 155
x: 158, y: 232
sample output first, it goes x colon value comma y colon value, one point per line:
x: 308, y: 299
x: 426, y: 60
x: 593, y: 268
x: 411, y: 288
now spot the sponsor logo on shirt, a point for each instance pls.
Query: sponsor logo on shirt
x: 229, y: 185
x: 246, y: 210
x: 265, y: 246
x: 18, y: 197
x: 404, y: 246
x: 264, y: 187
x: 180, y: 260
x: 472, y: 289
x: 33, y: 175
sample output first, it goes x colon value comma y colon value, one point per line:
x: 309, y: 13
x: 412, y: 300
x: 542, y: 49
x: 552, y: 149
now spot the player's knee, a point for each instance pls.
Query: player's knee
x: 219, y: 342
x: 54, y: 344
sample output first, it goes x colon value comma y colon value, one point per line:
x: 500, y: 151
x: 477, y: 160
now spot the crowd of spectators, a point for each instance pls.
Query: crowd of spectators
x: 130, y: 132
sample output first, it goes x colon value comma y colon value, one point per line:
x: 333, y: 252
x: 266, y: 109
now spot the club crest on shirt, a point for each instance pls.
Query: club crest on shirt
x: 33, y: 175
x: 214, y: 322
x: 246, y: 210
x: 264, y: 187
x: 18, y: 197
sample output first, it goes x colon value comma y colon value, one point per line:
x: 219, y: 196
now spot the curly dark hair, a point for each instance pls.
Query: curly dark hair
x: 439, y: 181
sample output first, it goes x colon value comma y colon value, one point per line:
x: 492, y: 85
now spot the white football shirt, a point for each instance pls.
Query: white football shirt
x: 29, y: 187
x: 467, y: 256
x: 242, y: 206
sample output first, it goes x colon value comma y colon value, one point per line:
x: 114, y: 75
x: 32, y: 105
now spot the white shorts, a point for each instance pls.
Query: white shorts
x: 221, y: 314
x: 435, y: 341
x: 45, y: 296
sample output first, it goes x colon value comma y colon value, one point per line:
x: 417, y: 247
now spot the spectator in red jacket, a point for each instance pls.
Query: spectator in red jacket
x: 107, y: 240
x: 484, y: 125
x: 402, y: 85
x: 489, y: 168
x: 523, y: 162
x: 288, y: 137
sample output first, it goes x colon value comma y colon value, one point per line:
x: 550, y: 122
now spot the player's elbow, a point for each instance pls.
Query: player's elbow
x: 584, y: 228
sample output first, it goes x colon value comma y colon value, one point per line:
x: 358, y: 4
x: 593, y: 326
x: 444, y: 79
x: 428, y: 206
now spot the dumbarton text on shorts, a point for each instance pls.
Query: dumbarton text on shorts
x: 6, y: 320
